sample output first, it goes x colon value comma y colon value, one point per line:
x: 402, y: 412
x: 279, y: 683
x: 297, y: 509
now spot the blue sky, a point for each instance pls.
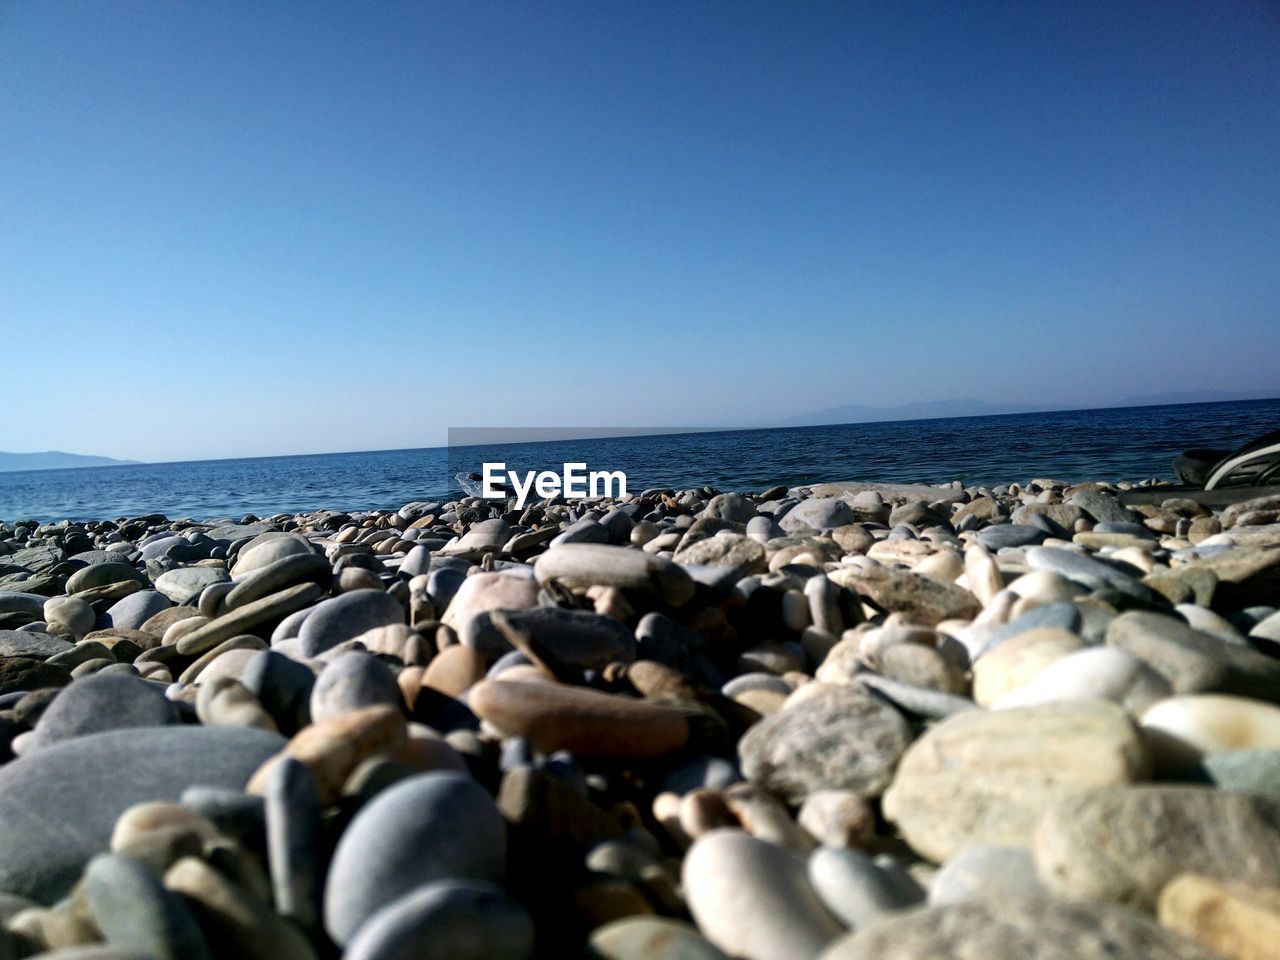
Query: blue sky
x: 236, y: 229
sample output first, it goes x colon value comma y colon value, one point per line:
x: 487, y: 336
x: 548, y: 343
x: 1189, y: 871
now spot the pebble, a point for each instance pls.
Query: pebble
x: 1232, y: 920
x: 857, y: 891
x: 433, y: 826
x: 579, y: 566
x: 185, y: 584
x: 1182, y: 731
x: 71, y: 611
x: 1247, y: 771
x: 753, y: 900
x: 984, y: 778
x: 922, y: 600
x: 488, y: 591
x: 651, y: 938
x: 1124, y: 844
x: 837, y: 738
x: 576, y: 639
x: 245, y: 619
x: 48, y: 833
x: 1105, y: 673
x: 353, y: 681
x: 1018, y: 928
x: 1018, y: 660
x: 347, y: 616
x: 986, y: 873
x: 446, y: 920
x: 588, y: 723
x: 96, y: 704
x: 295, y: 839
x: 137, y: 914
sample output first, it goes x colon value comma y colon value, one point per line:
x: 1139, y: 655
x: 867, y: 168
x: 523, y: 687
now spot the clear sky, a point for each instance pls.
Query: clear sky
x: 236, y: 229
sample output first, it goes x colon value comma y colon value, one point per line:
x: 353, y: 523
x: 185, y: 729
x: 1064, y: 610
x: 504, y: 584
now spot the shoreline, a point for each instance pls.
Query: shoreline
x: 902, y: 716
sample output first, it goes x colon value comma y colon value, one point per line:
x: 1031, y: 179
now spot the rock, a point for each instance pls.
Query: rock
x: 430, y: 827
x: 837, y: 818
x: 739, y: 553
x: 295, y: 839
x: 587, y: 723
x: 921, y: 600
x: 1010, y: 535
x: 185, y: 584
x: 1018, y: 660
x: 259, y: 613
x: 347, y: 616
x: 275, y: 576
x: 1245, y: 771
x: 137, y: 914
x: 1195, y: 662
x: 353, y: 681
x: 454, y: 670
x: 1103, y: 673
x: 282, y: 686
x: 133, y: 611
x: 922, y: 666
x: 840, y: 738
x: 266, y: 549
x: 483, y: 537
x: 650, y: 938
x: 818, y: 513
x: 446, y: 920
x: 1018, y: 928
x: 1183, y: 730
x: 582, y: 565
x: 857, y: 891
x: 1102, y: 507
x: 332, y: 749
x: 1087, y: 571
x: 575, y: 639
x: 72, y: 612
x: 99, y: 703
x: 1232, y: 920
x: 105, y: 574
x: 918, y: 701
x: 753, y: 900
x: 488, y: 591
x: 28, y: 644
x: 235, y: 923
x: 1124, y: 844
x: 48, y: 833
x: 24, y: 673
x: 986, y: 873
x: 984, y: 778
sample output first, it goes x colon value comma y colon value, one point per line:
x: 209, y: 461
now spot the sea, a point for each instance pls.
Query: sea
x: 1126, y: 443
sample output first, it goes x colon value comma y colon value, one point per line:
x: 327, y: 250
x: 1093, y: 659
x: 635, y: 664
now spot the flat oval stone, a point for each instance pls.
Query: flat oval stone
x: 275, y: 576
x: 347, y: 616
x: 840, y: 738
x: 1010, y: 535
x: 979, y: 873
x: 105, y: 574
x: 921, y: 600
x: 429, y: 827
x: 25, y: 643
x: 259, y: 613
x: 131, y: 612
x: 580, y: 639
x: 71, y: 611
x: 267, y: 548
x: 651, y: 938
x: 587, y: 723
x: 856, y: 889
x: 1018, y: 660
x: 985, y: 778
x: 1087, y: 571
x: 446, y: 920
x: 1095, y: 673
x: 185, y: 584
x: 753, y: 899
x: 354, y: 681
x: 582, y: 565
x: 1124, y: 844
x: 1018, y: 928
x: 818, y: 513
x: 48, y: 833
x: 102, y: 702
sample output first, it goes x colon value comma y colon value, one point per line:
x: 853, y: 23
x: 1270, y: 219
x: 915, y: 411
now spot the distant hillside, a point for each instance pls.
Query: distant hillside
x: 52, y: 460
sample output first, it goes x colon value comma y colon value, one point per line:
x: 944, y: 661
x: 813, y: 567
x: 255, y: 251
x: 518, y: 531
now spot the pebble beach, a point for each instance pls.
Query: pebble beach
x: 845, y: 721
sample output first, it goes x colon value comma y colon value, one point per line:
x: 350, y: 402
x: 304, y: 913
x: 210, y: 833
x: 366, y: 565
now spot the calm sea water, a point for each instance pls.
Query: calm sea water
x: 1130, y: 443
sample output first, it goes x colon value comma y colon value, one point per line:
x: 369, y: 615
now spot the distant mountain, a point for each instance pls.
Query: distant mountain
x: 52, y: 460
x: 927, y: 410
